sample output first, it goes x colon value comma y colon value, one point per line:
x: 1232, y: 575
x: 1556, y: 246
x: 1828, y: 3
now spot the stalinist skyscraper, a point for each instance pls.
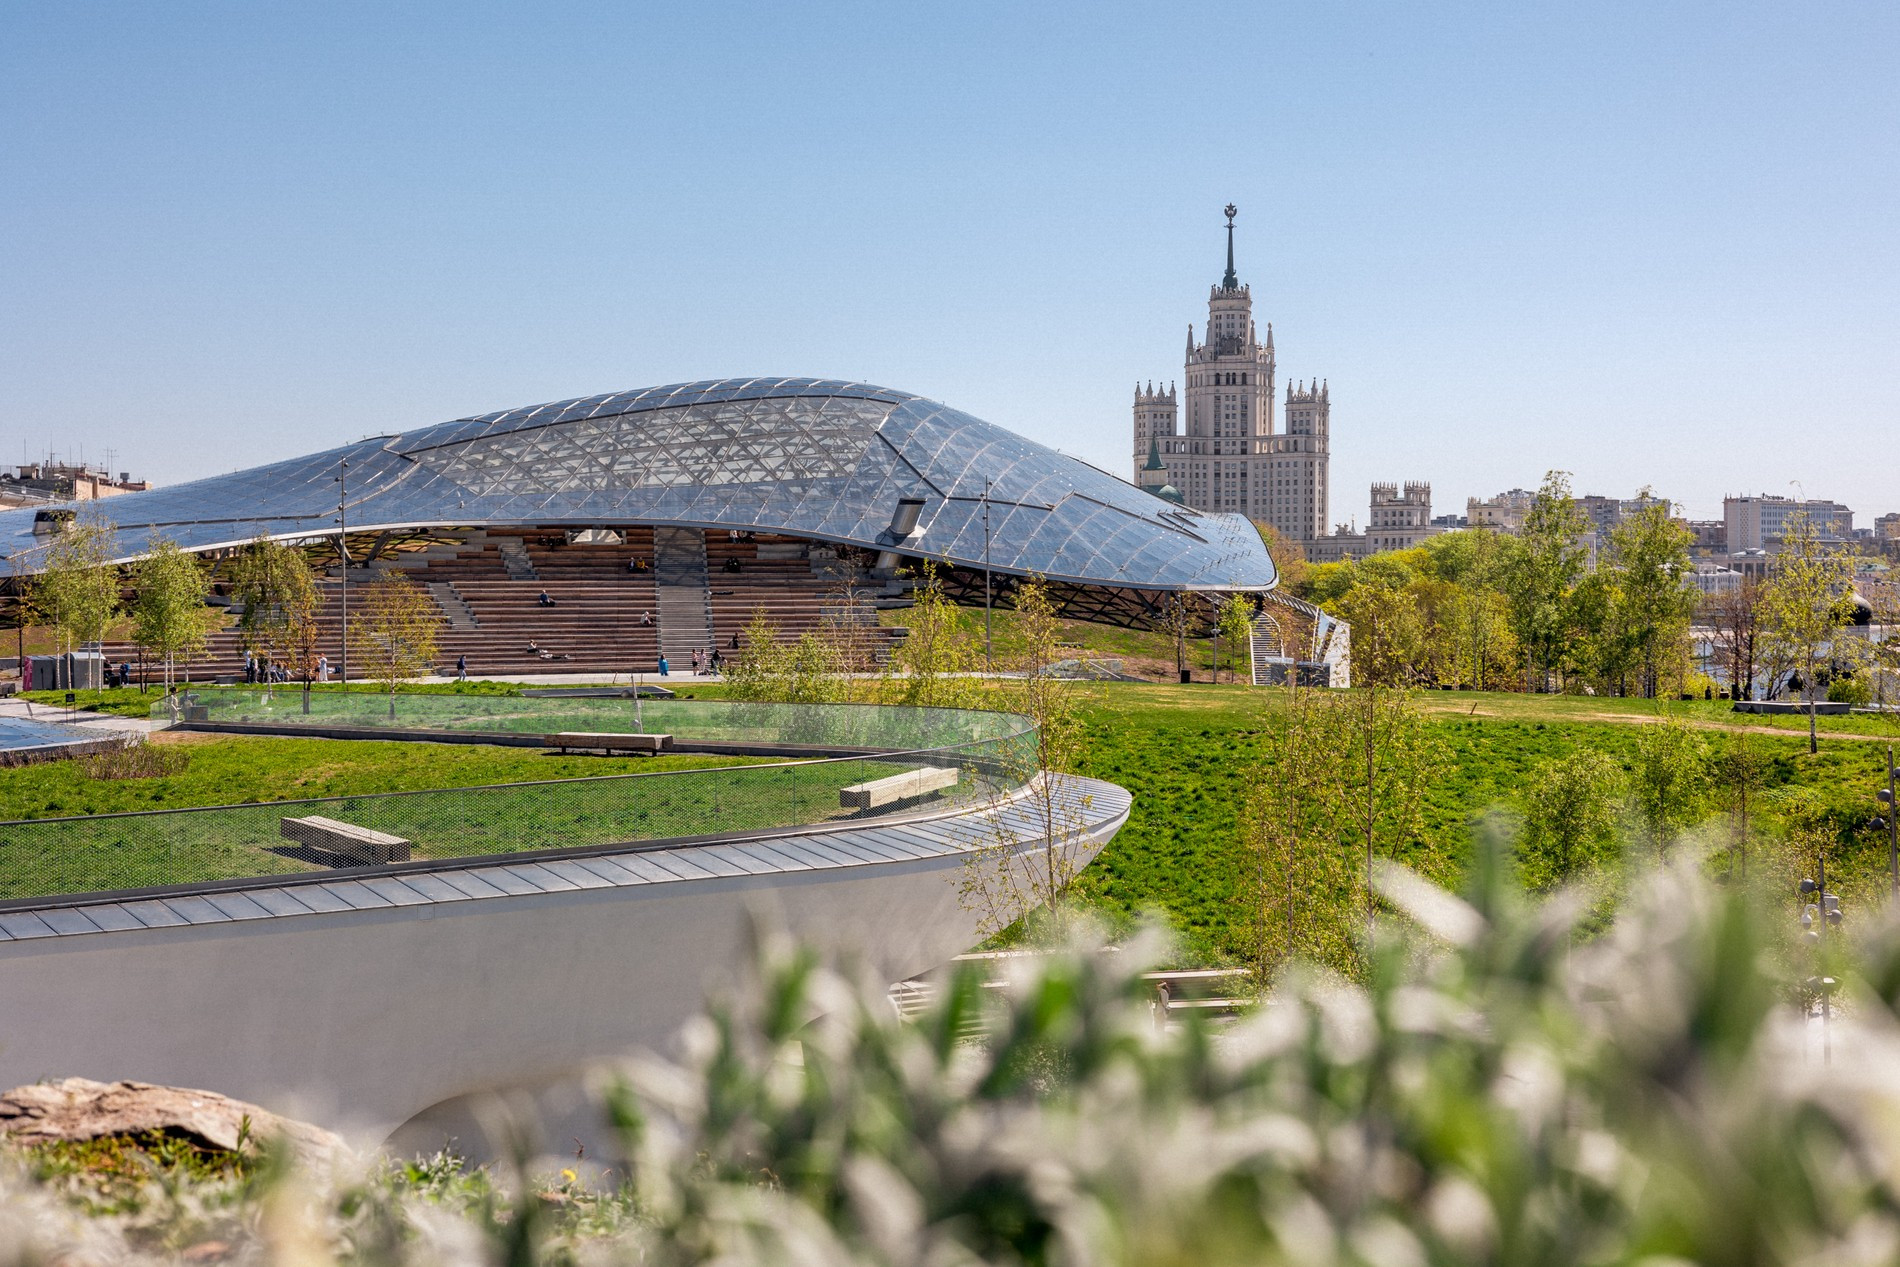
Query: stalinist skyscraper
x: 1230, y: 456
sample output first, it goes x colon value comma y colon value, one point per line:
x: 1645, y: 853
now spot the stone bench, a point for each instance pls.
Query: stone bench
x: 609, y: 741
x: 359, y: 845
x: 898, y: 787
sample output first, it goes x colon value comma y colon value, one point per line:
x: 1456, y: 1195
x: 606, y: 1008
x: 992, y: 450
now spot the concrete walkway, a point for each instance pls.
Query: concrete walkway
x: 14, y: 707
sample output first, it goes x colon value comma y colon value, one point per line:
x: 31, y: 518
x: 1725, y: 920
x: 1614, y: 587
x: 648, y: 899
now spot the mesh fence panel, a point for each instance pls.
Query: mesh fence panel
x: 991, y: 754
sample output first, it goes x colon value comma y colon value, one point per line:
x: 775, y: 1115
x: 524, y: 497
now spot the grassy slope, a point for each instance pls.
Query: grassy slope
x: 1186, y: 754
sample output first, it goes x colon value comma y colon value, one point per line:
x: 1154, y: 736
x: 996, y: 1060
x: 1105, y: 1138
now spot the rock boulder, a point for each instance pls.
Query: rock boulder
x: 77, y: 1109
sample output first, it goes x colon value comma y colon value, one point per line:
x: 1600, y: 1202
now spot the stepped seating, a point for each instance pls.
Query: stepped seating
x: 555, y: 559
x: 775, y: 576
x: 474, y: 564
x: 595, y: 621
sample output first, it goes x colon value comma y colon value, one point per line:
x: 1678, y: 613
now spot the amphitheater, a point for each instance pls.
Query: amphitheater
x: 461, y: 943
x: 660, y: 521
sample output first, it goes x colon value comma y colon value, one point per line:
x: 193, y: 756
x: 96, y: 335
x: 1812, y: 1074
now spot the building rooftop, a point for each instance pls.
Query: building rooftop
x: 819, y: 458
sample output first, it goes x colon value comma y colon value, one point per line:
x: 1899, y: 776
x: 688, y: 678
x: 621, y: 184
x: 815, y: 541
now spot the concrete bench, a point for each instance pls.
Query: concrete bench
x: 609, y: 741
x: 359, y: 845
x: 898, y: 787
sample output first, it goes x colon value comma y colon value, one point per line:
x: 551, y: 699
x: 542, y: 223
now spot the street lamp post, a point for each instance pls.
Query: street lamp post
x: 1817, y: 918
x: 989, y: 662
x: 343, y: 553
x: 1891, y: 821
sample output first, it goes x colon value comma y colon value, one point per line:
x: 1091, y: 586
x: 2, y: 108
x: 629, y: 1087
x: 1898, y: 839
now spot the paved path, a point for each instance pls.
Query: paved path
x: 11, y: 707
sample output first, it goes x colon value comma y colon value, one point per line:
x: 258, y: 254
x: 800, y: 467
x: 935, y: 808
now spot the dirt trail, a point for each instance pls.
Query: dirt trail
x: 1644, y: 719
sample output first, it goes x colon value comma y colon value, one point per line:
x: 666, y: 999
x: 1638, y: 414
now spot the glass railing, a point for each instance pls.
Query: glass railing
x: 866, y: 726
x: 912, y: 760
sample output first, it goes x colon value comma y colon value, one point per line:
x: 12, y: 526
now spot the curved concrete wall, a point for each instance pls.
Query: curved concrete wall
x: 363, y: 1002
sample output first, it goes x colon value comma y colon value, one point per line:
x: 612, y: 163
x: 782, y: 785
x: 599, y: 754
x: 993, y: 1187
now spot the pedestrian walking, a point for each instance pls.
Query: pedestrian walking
x: 461, y: 668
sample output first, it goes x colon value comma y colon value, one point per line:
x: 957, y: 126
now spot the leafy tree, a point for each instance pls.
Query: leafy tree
x: 1543, y: 570
x: 1655, y: 590
x: 279, y: 602
x: 169, y: 616
x: 1017, y: 873
x: 77, y: 590
x: 808, y: 669
x: 1476, y: 558
x: 1395, y: 760
x: 1474, y: 626
x: 1600, y: 649
x: 1306, y: 883
x: 1735, y: 617
x: 1388, y: 632
x: 1289, y: 560
x: 1235, y: 625
x: 1179, y: 619
x: 1570, y: 813
x: 1739, y: 772
x: 1884, y: 655
x: 1805, y: 604
x: 394, y: 630
x: 1669, y: 783
x: 935, y: 666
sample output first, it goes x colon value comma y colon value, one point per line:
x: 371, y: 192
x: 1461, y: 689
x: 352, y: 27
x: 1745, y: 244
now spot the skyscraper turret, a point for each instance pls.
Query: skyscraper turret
x: 1227, y: 454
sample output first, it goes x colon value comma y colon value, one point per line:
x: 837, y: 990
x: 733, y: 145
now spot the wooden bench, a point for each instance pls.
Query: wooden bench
x: 359, y: 845
x: 898, y: 787
x: 609, y: 741
x: 1219, y: 993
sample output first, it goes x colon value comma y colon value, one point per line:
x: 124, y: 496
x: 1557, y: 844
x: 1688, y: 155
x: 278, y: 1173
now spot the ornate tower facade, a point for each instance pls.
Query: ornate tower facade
x: 1223, y: 451
x: 1156, y: 430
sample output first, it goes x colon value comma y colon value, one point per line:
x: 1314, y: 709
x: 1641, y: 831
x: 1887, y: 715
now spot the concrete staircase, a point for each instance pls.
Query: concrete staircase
x: 682, y: 592
x: 460, y: 614
x: 514, y: 558
x: 1267, y: 646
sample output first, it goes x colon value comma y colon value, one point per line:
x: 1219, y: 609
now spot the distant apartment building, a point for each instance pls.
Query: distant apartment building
x: 1711, y: 535
x: 1397, y: 519
x: 1606, y: 514
x: 37, y: 483
x: 1505, y: 512
x: 1717, y: 578
x: 1887, y: 527
x: 1760, y: 522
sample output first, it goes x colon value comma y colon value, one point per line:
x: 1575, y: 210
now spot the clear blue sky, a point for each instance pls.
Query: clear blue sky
x: 1650, y: 243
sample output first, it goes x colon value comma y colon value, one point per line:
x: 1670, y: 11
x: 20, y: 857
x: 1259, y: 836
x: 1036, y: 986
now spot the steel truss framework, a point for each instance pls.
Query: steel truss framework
x: 822, y: 460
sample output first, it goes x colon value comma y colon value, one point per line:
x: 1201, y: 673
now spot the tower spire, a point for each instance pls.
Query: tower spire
x: 1230, y: 282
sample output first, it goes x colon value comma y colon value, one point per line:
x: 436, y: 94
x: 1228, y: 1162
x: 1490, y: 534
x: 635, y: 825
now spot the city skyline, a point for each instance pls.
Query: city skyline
x: 1586, y: 240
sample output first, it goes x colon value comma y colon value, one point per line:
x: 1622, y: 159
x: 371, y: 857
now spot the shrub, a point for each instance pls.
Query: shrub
x: 1850, y: 690
x: 135, y: 761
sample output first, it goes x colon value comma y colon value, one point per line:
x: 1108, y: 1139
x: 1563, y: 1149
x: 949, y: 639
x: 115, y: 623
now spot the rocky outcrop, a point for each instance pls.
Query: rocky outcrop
x: 80, y: 1109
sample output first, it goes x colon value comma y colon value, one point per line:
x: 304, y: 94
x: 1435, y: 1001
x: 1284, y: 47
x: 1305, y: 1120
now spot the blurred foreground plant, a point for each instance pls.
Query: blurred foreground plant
x: 1498, y: 1090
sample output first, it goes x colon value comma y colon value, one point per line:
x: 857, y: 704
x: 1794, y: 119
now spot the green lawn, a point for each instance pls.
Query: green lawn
x: 132, y: 702
x: 1187, y: 754
x: 706, y: 795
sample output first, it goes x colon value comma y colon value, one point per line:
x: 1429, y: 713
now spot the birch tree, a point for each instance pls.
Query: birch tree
x: 1806, y: 602
x: 77, y: 591
x: 395, y: 632
x: 169, y: 617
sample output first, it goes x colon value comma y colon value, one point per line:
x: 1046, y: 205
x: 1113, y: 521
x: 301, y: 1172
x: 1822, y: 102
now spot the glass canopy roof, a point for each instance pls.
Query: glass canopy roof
x: 816, y: 458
